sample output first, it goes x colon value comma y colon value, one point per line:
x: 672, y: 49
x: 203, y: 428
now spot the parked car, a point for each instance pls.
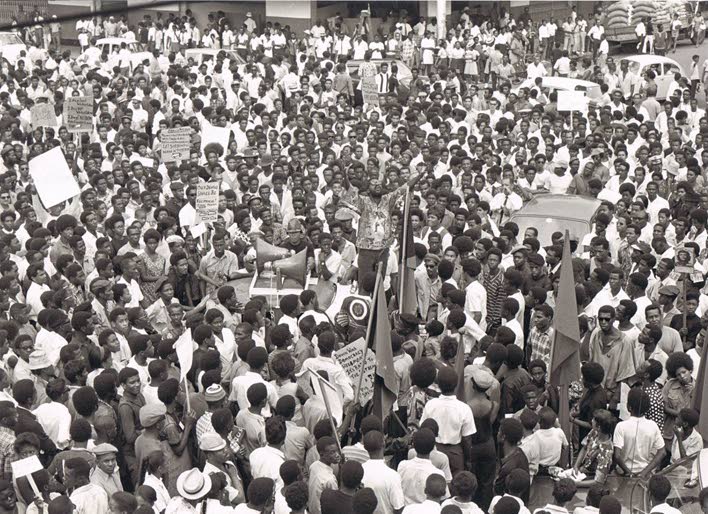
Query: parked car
x: 10, y: 46
x: 405, y: 76
x: 209, y: 54
x: 112, y: 45
x: 549, y: 84
x: 663, y: 67
x: 549, y: 213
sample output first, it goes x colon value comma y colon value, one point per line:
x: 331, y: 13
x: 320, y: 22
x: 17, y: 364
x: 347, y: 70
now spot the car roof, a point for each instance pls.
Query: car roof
x: 359, y: 61
x: 212, y: 51
x: 116, y: 40
x: 649, y: 59
x: 572, y: 207
x: 567, y: 82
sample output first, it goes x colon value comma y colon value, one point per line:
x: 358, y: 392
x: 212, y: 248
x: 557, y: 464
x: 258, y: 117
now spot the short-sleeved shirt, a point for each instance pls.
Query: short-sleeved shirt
x: 638, y: 440
x: 454, y: 417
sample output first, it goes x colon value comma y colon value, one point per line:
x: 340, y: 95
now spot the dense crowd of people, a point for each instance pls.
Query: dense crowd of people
x: 100, y: 294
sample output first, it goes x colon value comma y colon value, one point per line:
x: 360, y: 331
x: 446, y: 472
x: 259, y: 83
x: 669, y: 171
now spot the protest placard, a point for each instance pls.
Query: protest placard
x: 370, y: 91
x: 78, y: 113
x: 207, y: 202
x: 24, y: 468
x: 43, y: 115
x: 572, y: 101
x: 52, y: 178
x: 350, y: 358
x: 212, y: 134
x: 176, y: 144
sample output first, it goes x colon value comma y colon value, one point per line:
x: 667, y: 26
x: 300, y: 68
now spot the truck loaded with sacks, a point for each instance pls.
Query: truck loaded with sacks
x: 621, y: 18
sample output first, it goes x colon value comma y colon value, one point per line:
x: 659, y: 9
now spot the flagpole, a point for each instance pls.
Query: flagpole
x: 368, y: 330
x: 186, y: 394
x: 401, y: 256
x: 329, y: 410
x: 460, y: 369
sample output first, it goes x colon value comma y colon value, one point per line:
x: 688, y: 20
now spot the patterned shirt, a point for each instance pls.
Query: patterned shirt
x: 407, y: 50
x: 598, y: 457
x: 7, y: 452
x: 495, y: 295
x: 375, y: 229
x: 656, y: 404
x: 540, y: 343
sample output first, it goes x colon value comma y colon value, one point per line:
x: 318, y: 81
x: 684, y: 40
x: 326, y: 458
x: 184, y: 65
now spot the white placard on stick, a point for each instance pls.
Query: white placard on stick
x: 572, y: 101
x: 43, y: 115
x: 52, y: 178
x: 212, y: 134
x: 207, y: 205
x: 350, y: 358
x: 78, y: 113
x: 176, y: 144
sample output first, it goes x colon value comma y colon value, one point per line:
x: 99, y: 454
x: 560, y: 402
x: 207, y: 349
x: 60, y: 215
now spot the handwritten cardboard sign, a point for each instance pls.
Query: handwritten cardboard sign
x: 78, y: 113
x: 207, y: 205
x: 176, y: 144
x: 43, y: 116
x: 350, y: 358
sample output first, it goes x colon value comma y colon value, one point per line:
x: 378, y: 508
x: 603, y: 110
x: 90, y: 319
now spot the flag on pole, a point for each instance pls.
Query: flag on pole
x: 184, y: 346
x: 407, y: 302
x: 385, y: 384
x: 700, y: 400
x: 565, y: 351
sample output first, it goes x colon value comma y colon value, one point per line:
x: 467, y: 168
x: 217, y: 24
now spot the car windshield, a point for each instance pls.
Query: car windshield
x: 547, y: 226
x: 10, y: 39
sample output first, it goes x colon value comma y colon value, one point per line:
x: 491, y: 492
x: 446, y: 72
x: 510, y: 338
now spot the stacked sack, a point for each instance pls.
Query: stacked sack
x: 644, y: 10
x: 618, y: 15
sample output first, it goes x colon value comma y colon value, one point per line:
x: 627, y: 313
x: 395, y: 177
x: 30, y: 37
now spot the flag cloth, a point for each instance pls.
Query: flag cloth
x: 407, y: 302
x: 385, y: 383
x: 565, y: 351
x: 184, y: 346
x: 700, y: 400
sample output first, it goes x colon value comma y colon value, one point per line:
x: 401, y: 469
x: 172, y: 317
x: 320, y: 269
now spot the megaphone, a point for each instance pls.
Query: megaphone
x: 294, y: 267
x: 266, y: 252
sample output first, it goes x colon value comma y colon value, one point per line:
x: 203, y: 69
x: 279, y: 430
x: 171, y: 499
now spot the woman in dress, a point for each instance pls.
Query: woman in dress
x: 677, y: 392
x: 174, y: 434
x: 151, y: 265
x: 595, y: 457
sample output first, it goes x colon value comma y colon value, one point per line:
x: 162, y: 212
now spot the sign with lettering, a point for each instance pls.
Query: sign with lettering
x: 176, y: 144
x: 78, y: 113
x: 207, y: 202
x: 43, y: 116
x: 370, y: 91
x: 350, y: 358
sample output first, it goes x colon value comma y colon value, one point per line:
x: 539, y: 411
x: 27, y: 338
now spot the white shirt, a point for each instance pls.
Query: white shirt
x: 551, y: 441
x: 454, y: 418
x: 51, y: 343
x: 55, y: 418
x: 386, y: 484
x: 664, y: 508
x: 414, y: 473
x: 239, y: 388
x: 638, y: 440
x: 522, y: 507
x: 90, y: 499
x: 476, y: 300
x: 424, y: 507
x: 265, y: 462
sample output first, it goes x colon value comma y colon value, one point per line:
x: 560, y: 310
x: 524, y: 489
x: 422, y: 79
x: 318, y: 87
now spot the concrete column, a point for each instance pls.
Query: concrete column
x: 441, y: 14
